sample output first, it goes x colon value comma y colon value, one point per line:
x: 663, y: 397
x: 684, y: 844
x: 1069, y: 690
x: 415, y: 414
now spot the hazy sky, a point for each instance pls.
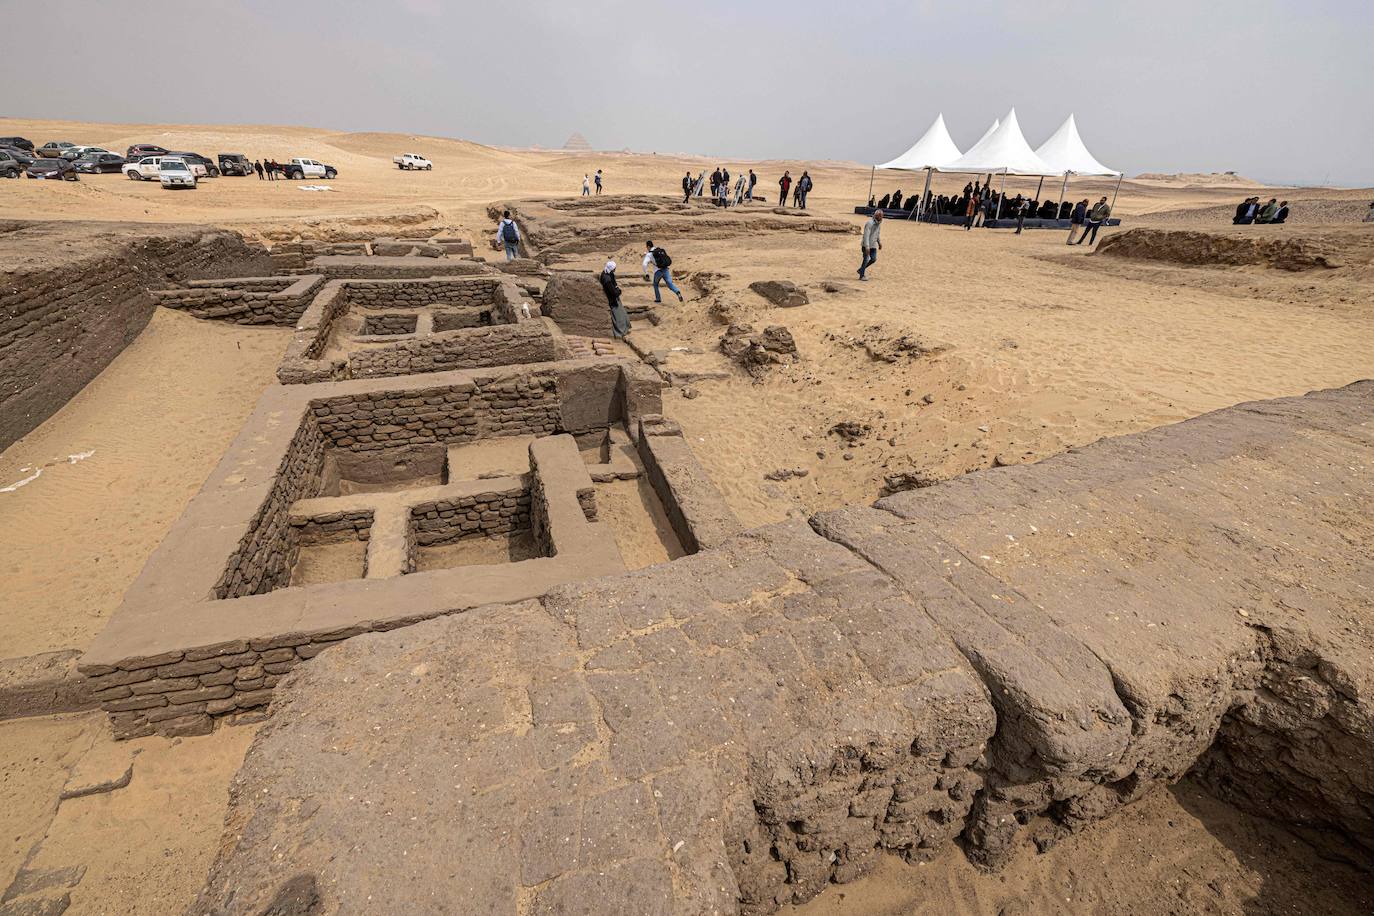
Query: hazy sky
x: 1275, y: 89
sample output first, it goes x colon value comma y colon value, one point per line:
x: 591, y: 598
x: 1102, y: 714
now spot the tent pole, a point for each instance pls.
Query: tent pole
x: 1064, y: 190
x: 1119, y: 179
x: 1038, y: 187
x: 1001, y: 194
x: 925, y: 192
x: 871, y: 172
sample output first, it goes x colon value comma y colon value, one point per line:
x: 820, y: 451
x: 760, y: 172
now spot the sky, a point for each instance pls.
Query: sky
x: 1280, y: 90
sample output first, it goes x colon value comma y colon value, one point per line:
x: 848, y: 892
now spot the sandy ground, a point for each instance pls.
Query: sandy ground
x: 145, y: 847
x: 154, y: 423
x: 1029, y: 348
x: 1174, y: 853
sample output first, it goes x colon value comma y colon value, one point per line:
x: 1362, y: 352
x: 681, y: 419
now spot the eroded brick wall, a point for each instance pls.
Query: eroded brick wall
x: 73, y: 295
x: 471, y: 348
x: 245, y: 300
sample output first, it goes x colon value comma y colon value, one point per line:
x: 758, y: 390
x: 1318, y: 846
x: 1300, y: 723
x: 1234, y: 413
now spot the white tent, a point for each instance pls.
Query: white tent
x: 933, y: 150
x: 1004, y: 150
x: 1065, y: 153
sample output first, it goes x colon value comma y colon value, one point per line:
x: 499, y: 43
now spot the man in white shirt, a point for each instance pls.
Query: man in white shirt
x: 508, y: 236
x: 662, y: 265
x: 871, y: 242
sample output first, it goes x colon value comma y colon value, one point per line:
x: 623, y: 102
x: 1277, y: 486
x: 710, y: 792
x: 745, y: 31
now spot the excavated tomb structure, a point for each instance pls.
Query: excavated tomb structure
x: 1020, y: 649
x: 436, y: 444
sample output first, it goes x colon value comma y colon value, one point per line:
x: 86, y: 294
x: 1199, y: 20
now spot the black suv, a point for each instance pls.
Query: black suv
x: 235, y: 164
x: 17, y: 143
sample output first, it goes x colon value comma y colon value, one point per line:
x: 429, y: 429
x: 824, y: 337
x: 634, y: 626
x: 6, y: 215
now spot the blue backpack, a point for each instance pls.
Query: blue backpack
x: 509, y: 233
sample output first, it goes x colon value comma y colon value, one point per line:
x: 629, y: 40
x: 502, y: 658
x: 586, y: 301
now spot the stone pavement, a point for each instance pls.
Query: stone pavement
x: 1023, y: 648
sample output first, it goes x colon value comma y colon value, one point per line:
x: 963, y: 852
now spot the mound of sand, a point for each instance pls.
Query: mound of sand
x: 1207, y: 249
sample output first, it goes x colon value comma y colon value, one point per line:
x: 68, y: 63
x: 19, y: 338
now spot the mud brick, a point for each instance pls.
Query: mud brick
x: 223, y: 676
x: 253, y: 698
x: 280, y: 667
x: 112, y: 693
x: 201, y: 694
x: 184, y: 669
x: 151, y: 661
x: 164, y: 685
x: 233, y: 647
x: 277, y: 642
x: 119, y: 678
x: 238, y: 660
x: 187, y: 726
x: 220, y: 707
x: 132, y: 703
x: 278, y: 655
x: 172, y: 712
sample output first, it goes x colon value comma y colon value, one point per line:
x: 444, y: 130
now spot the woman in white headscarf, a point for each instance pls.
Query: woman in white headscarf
x: 620, y: 319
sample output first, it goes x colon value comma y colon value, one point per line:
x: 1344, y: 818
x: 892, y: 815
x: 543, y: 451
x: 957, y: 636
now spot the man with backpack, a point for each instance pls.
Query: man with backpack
x: 508, y: 235
x: 804, y: 188
x: 662, y: 269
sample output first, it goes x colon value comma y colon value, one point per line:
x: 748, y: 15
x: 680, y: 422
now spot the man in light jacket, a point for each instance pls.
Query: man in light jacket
x: 508, y: 236
x: 1097, y: 217
x: 871, y: 242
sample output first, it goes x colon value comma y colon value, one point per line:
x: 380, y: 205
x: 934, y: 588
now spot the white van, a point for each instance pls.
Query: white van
x: 175, y: 173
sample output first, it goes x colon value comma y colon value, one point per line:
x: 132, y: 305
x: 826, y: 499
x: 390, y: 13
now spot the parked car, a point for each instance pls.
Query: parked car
x: 76, y: 152
x: 139, y: 150
x: 21, y: 156
x: 175, y: 173
x: 412, y: 161
x: 144, y: 169
x: 53, y: 149
x: 234, y: 164
x: 59, y: 169
x: 9, y: 167
x: 94, y: 163
x: 309, y: 168
x: 200, y: 166
x: 17, y: 143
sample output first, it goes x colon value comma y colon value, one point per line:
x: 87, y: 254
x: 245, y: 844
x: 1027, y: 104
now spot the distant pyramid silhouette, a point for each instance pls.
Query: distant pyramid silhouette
x: 578, y: 142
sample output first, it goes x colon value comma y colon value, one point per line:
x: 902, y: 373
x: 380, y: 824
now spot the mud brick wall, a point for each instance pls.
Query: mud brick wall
x: 458, y: 319
x: 73, y: 295
x: 245, y: 300
x: 376, y: 420
x: 473, y: 348
x: 392, y: 323
x: 696, y: 509
x: 288, y: 256
x: 471, y: 292
x: 349, y: 525
x: 344, y: 267
x: 178, y: 693
x: 478, y: 515
x: 267, y: 552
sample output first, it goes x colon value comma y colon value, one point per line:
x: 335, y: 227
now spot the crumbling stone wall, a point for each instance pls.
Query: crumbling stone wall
x: 695, y: 508
x: 347, y: 267
x: 73, y: 295
x: 478, y: 515
x: 472, y: 348
x: 244, y: 300
x: 264, y: 557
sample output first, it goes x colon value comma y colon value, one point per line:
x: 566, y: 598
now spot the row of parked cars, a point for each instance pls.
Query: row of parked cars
x: 59, y: 159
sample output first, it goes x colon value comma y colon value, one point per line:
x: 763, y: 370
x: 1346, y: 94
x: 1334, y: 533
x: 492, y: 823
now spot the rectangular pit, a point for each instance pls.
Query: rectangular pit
x: 363, y: 328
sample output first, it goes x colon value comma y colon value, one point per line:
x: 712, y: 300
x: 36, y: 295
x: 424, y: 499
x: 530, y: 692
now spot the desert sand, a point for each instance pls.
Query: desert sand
x: 963, y: 350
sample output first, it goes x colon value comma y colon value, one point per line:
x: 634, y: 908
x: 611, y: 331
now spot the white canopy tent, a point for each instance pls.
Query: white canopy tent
x: 1065, y: 152
x: 934, y: 149
x: 1002, y: 149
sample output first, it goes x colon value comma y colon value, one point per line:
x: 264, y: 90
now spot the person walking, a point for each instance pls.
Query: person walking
x: 658, y: 259
x: 620, y: 319
x: 687, y: 187
x: 586, y: 184
x: 970, y: 210
x: 508, y: 235
x: 1097, y: 216
x: 257, y: 167
x: 598, y: 181
x: 803, y: 188
x: 871, y: 242
x: 785, y: 182
x: 749, y: 191
x: 1076, y: 219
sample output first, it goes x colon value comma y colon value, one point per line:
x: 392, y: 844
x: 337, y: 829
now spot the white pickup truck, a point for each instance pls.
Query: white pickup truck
x: 309, y: 168
x: 412, y: 161
x: 146, y: 169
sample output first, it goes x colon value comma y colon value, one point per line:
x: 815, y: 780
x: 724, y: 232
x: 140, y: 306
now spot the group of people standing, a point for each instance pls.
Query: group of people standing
x: 723, y: 194
x: 587, y: 181
x: 1251, y: 211
x: 269, y: 169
